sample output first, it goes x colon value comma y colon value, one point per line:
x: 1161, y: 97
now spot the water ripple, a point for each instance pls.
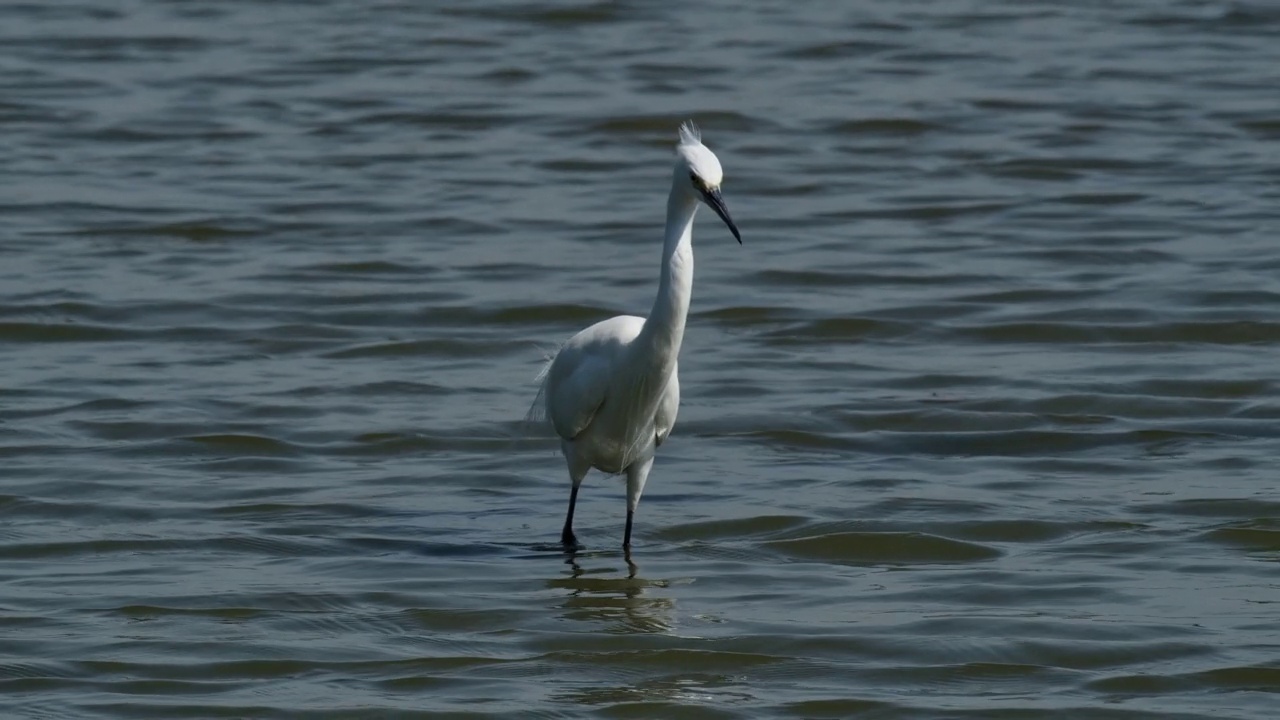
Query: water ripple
x: 979, y: 422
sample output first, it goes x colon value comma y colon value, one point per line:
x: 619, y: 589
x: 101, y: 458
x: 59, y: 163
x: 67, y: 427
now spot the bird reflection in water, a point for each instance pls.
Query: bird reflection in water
x: 598, y: 595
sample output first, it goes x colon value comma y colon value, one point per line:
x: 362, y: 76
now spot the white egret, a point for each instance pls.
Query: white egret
x: 611, y: 392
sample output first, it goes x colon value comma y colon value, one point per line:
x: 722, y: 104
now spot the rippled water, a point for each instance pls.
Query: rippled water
x: 980, y: 421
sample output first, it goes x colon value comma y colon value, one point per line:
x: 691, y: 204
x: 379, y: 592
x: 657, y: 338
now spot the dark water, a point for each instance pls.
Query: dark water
x: 980, y: 421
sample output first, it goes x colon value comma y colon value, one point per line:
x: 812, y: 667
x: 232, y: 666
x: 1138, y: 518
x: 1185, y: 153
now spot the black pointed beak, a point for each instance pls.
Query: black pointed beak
x: 712, y: 198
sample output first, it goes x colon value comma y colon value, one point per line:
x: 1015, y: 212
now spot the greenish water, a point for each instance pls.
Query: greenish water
x: 979, y: 422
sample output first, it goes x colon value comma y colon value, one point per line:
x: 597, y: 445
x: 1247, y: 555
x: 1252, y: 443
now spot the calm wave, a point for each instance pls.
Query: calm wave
x: 979, y: 422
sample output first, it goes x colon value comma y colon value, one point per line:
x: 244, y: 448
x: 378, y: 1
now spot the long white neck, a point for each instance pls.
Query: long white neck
x: 664, y: 328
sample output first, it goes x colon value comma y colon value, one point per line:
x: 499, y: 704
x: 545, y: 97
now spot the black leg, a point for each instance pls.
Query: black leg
x: 566, y: 536
x: 626, y: 538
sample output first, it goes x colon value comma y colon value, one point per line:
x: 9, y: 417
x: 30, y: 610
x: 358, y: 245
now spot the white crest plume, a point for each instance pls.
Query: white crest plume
x: 689, y: 133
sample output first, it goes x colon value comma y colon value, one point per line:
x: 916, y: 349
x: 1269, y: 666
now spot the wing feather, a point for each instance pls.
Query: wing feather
x: 576, y: 399
x: 579, y: 377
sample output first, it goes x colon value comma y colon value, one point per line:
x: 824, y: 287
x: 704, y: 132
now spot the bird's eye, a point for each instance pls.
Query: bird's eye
x: 698, y: 182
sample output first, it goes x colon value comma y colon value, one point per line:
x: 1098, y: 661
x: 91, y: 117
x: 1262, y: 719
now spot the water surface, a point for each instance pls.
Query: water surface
x: 980, y: 421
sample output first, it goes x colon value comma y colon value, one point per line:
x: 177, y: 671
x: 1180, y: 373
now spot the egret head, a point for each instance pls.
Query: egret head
x: 702, y: 168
